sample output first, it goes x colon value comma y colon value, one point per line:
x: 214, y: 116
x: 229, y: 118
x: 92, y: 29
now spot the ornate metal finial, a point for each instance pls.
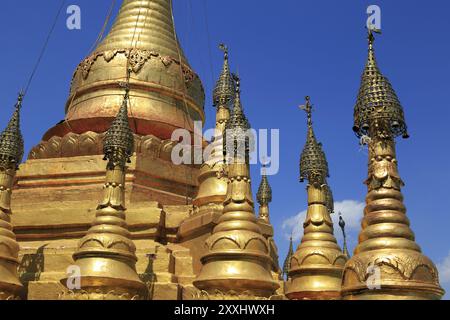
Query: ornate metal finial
x: 342, y: 225
x: 238, y: 120
x: 236, y: 131
x: 119, y: 140
x: 329, y: 199
x: 313, y: 163
x: 378, y: 112
x: 224, y: 91
x: 307, y: 107
x: 287, y: 261
x: 264, y: 194
x: 11, y: 140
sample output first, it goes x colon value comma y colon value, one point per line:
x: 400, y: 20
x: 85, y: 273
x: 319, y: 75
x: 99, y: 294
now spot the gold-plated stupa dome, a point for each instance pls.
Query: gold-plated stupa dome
x: 387, y: 263
x: 166, y: 93
x: 377, y: 104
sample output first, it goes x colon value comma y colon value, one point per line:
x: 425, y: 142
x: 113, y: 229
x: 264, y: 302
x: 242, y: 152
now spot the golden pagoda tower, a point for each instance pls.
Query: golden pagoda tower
x: 11, y: 153
x: 387, y: 246
x: 106, y: 255
x: 264, y: 197
x: 317, y: 265
x: 237, y: 264
x: 212, y: 182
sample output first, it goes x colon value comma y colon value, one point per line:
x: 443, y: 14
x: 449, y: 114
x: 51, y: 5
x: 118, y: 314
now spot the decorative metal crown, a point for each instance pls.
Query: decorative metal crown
x: 11, y: 140
x: 329, y: 200
x: 287, y: 261
x: 313, y: 163
x: 264, y: 195
x: 378, y: 111
x: 225, y: 90
x: 119, y: 140
x: 237, y: 126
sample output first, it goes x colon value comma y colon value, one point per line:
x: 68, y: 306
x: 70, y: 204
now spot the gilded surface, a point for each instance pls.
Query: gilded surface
x: 106, y: 256
x: 237, y: 258
x: 387, y: 263
x: 315, y: 269
x: 11, y: 153
x: 166, y: 93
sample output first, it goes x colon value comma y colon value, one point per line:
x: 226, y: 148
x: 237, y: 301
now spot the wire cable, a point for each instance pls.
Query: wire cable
x: 44, y: 48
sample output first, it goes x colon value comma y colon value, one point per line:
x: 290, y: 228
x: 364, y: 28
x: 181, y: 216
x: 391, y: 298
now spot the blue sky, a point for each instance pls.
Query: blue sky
x: 283, y: 50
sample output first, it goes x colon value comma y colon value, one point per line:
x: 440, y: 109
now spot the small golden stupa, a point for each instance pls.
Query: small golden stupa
x: 316, y: 267
x: 106, y: 256
x: 387, y: 263
x: 237, y: 264
x: 11, y: 154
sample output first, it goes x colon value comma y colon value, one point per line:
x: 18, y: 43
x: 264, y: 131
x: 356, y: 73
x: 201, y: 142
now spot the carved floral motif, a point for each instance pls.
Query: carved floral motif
x: 404, y: 264
x: 91, y: 143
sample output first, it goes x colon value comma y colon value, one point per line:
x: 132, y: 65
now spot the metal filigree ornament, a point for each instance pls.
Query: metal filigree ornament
x: 378, y: 112
x: 264, y: 194
x: 11, y: 140
x: 313, y: 163
x: 287, y: 261
x: 236, y: 139
x: 329, y: 198
x: 119, y: 141
x: 225, y: 90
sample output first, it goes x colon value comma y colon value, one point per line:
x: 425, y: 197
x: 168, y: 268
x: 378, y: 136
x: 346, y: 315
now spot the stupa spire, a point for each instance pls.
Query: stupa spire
x: 11, y: 153
x: 344, y: 235
x: 287, y: 261
x: 144, y: 25
x: 212, y: 182
x: 106, y: 256
x: 237, y: 263
x: 224, y: 90
x: 264, y: 197
x: 316, y: 267
x: 386, y: 240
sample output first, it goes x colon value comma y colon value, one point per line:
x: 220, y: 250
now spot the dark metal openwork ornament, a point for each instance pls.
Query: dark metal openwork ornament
x: 237, y: 140
x: 11, y: 140
x: 119, y: 140
x: 225, y: 89
x: 378, y: 112
x: 329, y: 200
x: 313, y: 163
x: 264, y: 194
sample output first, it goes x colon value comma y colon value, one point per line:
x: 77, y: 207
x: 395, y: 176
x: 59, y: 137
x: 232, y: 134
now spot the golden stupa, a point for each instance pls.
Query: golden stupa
x: 139, y: 227
x: 387, y: 263
x: 315, y: 269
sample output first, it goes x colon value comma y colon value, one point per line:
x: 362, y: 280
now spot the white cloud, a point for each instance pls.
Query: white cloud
x: 352, y: 212
x: 444, y: 270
